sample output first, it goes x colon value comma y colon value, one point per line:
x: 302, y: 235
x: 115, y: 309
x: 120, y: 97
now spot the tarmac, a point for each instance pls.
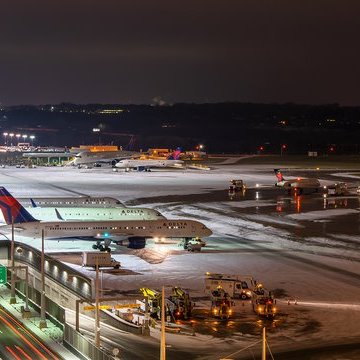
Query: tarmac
x: 51, y: 336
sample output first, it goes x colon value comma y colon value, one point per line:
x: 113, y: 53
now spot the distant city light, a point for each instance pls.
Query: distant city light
x: 96, y: 130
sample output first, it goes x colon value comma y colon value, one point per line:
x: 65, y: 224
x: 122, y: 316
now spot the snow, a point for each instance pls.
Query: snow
x: 292, y: 252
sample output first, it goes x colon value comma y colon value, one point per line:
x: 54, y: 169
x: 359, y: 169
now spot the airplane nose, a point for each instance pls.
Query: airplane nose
x: 208, y: 232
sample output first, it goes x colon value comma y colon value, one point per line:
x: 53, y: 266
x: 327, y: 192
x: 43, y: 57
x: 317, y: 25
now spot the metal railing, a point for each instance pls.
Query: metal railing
x: 59, y: 272
x: 82, y: 345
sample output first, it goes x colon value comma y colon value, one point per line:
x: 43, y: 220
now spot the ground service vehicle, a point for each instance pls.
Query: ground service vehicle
x: 336, y: 189
x: 221, y: 304
x: 263, y: 302
x: 264, y: 305
x: 192, y: 244
x: 236, y: 186
x: 235, y: 285
x: 177, y: 306
x: 100, y: 259
x: 182, y: 302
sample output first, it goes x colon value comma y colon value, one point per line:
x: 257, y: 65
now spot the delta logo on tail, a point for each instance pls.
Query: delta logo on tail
x: 279, y: 175
x: 12, y: 210
x: 175, y: 154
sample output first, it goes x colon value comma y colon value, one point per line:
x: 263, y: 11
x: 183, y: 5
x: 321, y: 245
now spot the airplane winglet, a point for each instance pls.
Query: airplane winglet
x: 58, y: 215
x: 33, y: 204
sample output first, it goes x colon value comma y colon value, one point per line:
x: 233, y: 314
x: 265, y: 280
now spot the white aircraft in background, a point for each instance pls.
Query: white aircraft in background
x: 172, y: 161
x: 93, y: 213
x: 106, y: 157
x: 58, y: 202
x: 135, y: 231
x: 298, y: 185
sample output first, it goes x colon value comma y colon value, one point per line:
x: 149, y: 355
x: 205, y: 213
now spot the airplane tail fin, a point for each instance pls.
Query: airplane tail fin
x: 175, y: 154
x: 12, y: 210
x: 279, y: 175
x: 58, y: 215
x: 33, y: 204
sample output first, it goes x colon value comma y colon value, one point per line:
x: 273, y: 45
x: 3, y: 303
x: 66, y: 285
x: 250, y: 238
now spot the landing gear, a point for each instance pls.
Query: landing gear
x: 101, y: 247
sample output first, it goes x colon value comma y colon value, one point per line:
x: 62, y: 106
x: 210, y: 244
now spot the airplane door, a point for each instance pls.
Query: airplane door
x: 37, y: 231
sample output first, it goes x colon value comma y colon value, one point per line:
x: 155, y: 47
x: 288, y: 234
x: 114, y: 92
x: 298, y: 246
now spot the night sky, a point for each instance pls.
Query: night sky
x: 123, y: 51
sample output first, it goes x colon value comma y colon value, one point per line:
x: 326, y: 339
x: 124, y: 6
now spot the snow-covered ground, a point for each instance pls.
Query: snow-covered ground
x: 305, y: 249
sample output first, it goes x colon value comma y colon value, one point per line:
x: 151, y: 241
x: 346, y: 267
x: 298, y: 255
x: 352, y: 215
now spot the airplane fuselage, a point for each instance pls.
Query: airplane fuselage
x: 108, y: 229
x: 133, y: 164
x: 306, y: 183
x: 87, y: 201
x: 92, y: 213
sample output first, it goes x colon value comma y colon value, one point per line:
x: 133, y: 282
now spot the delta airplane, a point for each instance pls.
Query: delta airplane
x: 298, y: 185
x: 92, y: 213
x: 87, y: 201
x: 173, y: 161
x: 135, y: 231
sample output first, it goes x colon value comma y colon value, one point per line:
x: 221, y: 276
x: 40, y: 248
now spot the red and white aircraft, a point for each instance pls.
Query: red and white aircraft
x: 298, y: 185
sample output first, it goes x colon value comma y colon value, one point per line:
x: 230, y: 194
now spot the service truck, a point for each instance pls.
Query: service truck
x: 221, y: 304
x: 336, y: 189
x: 264, y: 305
x: 237, y: 286
x: 99, y: 258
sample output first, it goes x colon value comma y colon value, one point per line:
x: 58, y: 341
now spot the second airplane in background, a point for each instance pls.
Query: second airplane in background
x: 298, y: 185
x: 173, y: 161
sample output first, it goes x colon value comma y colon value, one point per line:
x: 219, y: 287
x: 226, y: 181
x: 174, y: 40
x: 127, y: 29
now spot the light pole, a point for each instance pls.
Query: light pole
x: 263, y: 352
x: 97, y: 312
x: 32, y: 137
x: 11, y: 138
x: 12, y: 256
x: 282, y: 149
x: 18, y: 136
x: 98, y: 130
x: 24, y: 137
x: 5, y: 138
x: 42, y: 323
x: 162, y: 339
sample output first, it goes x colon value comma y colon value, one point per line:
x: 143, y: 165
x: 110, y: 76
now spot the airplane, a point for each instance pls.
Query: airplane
x: 87, y: 201
x: 93, y: 213
x: 173, y: 161
x: 135, y: 231
x: 298, y: 185
x: 87, y: 157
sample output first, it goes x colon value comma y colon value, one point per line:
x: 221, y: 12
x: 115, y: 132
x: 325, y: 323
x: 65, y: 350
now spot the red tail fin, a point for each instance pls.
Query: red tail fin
x: 12, y: 210
x: 278, y: 175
